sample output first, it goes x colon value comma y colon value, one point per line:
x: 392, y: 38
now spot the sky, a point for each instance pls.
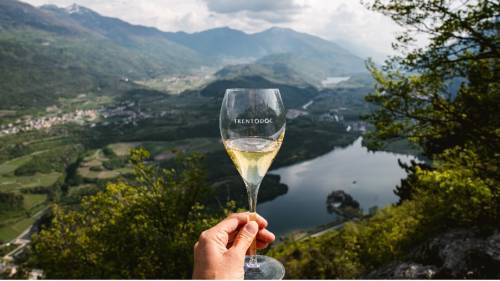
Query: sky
x: 346, y: 22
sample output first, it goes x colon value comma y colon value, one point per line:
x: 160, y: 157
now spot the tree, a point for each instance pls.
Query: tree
x: 10, y: 201
x: 140, y: 229
x: 445, y: 95
x: 408, y: 184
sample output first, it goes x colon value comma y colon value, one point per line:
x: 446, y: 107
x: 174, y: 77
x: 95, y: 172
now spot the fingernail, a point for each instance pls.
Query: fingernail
x: 252, y: 227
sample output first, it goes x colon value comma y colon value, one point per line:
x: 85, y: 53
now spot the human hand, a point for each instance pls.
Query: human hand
x: 220, y: 250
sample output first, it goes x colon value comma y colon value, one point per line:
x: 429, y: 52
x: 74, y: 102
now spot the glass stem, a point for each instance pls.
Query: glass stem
x: 252, y: 202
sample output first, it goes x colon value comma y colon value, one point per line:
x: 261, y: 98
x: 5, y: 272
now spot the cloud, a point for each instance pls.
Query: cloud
x: 351, y: 25
x: 374, y: 32
x: 276, y: 11
x: 232, y: 6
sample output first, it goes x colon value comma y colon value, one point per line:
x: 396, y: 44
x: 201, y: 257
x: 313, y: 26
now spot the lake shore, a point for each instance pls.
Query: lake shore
x: 353, y: 169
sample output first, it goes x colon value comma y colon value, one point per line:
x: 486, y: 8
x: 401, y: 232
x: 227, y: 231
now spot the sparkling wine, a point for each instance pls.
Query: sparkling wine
x: 253, y: 156
x: 252, y: 126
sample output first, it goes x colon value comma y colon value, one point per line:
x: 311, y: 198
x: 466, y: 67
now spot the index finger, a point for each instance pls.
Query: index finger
x: 235, y: 220
x: 231, y: 223
x: 261, y: 221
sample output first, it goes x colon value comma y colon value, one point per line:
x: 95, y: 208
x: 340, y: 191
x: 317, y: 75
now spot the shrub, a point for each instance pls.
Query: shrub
x: 140, y: 229
x: 114, y: 163
x: 37, y: 190
x: 96, y: 169
x: 10, y: 201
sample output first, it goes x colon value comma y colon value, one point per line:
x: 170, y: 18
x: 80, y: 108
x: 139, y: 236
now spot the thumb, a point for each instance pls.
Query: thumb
x: 245, y: 238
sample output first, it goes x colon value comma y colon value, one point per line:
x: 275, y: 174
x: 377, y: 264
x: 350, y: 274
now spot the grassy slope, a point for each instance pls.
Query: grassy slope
x: 15, y: 222
x: 39, y: 67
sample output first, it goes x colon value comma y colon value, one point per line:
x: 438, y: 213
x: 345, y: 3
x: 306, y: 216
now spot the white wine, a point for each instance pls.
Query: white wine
x: 252, y: 126
x: 253, y: 156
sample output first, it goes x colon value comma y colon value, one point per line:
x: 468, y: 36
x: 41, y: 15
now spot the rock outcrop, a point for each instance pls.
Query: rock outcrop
x: 456, y: 254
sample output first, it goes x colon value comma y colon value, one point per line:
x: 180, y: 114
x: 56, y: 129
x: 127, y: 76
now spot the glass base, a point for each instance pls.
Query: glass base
x: 268, y: 268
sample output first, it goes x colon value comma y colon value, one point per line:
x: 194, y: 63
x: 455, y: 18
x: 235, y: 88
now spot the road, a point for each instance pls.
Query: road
x: 22, y: 239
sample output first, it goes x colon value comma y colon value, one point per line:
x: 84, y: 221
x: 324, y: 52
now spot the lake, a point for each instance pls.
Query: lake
x: 332, y: 81
x: 369, y: 177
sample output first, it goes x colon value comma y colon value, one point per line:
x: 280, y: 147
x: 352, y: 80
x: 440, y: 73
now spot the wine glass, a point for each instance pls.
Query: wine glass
x: 252, y: 126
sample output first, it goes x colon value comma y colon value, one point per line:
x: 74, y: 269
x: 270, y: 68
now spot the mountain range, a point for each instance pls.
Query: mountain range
x: 50, y: 52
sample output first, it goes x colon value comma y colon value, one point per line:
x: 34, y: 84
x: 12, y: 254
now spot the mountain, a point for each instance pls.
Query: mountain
x: 293, y: 96
x: 279, y: 73
x: 15, y: 14
x: 286, y: 40
x: 149, y: 42
x: 304, y: 54
x: 311, y: 57
x: 220, y: 42
x: 49, y: 52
